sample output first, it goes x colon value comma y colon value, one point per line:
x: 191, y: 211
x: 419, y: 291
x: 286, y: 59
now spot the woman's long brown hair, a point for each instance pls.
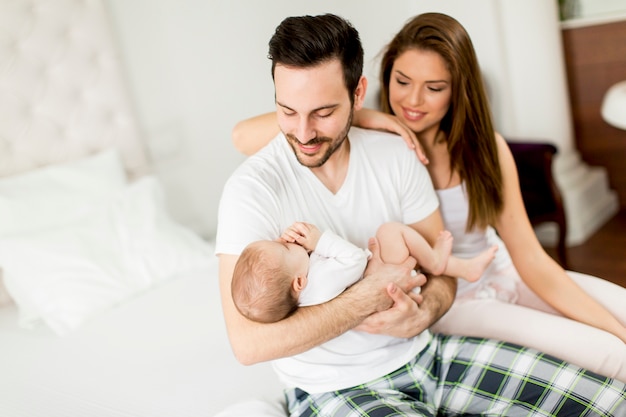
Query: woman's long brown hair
x: 467, y: 125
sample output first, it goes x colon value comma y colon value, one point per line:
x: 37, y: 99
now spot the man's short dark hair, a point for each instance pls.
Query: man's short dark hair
x: 307, y: 41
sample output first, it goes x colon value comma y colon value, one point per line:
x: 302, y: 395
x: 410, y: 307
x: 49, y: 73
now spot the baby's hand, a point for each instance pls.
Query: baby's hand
x: 305, y: 234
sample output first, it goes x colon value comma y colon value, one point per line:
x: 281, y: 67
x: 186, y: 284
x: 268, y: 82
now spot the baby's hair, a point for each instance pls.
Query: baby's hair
x: 261, y: 288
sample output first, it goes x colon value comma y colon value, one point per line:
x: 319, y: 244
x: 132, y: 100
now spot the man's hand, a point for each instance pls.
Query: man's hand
x: 379, y: 275
x: 376, y: 267
x: 408, y: 313
x: 404, y: 318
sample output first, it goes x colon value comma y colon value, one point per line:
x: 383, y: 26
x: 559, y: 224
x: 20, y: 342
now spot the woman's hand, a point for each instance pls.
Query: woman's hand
x: 622, y: 334
x: 373, y: 119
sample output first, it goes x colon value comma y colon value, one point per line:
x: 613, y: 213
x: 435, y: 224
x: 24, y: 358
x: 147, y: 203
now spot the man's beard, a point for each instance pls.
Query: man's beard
x: 334, y: 145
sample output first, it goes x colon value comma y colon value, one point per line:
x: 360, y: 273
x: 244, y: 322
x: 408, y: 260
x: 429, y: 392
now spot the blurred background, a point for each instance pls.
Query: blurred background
x: 196, y: 67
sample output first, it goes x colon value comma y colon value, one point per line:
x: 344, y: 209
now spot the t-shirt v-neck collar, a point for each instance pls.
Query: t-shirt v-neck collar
x: 339, y: 195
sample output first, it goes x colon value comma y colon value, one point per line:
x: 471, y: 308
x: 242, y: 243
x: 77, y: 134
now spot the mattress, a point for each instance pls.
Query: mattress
x: 162, y: 353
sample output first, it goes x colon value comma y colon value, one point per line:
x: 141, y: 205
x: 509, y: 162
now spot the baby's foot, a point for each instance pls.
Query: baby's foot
x: 476, y: 266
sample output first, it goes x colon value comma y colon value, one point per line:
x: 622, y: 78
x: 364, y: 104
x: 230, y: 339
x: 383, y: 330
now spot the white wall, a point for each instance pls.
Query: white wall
x: 590, y: 8
x: 196, y: 67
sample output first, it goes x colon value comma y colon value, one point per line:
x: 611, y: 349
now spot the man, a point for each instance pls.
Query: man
x: 368, y: 351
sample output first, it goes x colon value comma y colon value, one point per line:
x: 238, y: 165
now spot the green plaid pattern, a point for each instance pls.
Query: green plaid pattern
x: 467, y: 376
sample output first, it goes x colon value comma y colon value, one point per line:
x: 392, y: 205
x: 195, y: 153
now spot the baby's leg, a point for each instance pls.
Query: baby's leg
x: 399, y: 241
x: 473, y: 268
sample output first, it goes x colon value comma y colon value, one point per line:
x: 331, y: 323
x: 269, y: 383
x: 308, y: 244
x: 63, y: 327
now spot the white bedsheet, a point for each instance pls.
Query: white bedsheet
x: 164, y: 353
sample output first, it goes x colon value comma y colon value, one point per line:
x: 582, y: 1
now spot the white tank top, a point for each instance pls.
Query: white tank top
x: 500, y: 278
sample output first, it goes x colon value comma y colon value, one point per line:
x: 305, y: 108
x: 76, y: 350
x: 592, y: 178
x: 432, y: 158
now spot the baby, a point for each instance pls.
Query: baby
x: 306, y: 267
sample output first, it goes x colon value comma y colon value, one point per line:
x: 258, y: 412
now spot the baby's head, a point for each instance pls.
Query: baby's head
x: 268, y: 278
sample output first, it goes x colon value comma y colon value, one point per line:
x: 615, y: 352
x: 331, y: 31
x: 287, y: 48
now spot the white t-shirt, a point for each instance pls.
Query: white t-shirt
x: 271, y: 190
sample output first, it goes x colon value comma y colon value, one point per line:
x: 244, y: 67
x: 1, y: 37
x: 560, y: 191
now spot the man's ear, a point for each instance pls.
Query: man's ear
x: 359, y: 93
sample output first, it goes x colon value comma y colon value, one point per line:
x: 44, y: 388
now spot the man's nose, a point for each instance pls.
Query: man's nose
x: 305, y: 131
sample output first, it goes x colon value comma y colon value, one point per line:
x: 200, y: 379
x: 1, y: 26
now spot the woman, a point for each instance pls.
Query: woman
x: 432, y: 90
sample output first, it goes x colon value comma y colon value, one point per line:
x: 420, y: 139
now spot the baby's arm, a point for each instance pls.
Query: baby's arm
x: 305, y: 234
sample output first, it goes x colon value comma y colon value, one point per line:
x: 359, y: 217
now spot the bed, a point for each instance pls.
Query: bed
x: 108, y: 307
x: 162, y: 354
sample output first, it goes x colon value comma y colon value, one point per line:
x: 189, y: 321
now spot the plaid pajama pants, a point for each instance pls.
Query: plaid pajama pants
x: 457, y: 375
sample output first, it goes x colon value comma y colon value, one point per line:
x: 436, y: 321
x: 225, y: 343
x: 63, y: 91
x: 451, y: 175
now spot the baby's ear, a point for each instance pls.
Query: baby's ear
x: 299, y: 283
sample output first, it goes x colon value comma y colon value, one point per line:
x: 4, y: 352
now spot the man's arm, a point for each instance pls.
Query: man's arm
x: 309, y: 326
x: 407, y: 318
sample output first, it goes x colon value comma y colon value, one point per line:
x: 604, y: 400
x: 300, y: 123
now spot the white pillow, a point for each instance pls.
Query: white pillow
x: 52, y: 195
x: 55, y: 194
x: 114, y: 249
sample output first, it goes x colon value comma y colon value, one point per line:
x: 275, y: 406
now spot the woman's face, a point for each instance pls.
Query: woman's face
x: 420, y: 88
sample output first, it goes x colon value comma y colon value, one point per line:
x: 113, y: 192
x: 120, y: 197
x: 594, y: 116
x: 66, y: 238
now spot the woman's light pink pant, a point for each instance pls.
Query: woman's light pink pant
x: 529, y: 321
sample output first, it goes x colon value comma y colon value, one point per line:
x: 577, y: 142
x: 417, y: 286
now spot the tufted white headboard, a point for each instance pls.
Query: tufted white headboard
x: 62, y: 95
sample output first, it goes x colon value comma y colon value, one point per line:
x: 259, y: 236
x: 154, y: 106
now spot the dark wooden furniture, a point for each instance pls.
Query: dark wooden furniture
x: 541, y: 195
